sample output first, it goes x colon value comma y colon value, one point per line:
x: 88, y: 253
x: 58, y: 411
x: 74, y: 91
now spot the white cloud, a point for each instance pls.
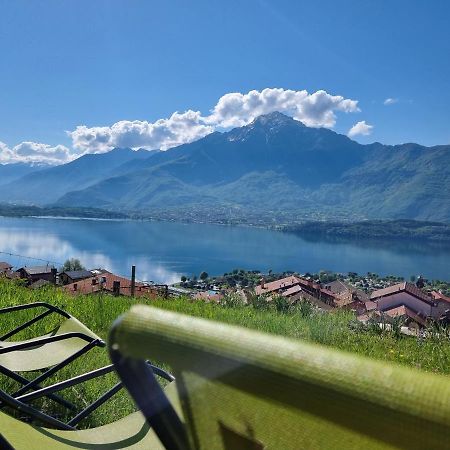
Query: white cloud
x: 390, y: 101
x: 315, y: 110
x: 235, y: 109
x: 178, y: 129
x: 34, y: 152
x: 360, y: 128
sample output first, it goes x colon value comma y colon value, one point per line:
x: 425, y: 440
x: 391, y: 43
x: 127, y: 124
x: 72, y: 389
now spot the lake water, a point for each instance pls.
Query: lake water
x: 162, y: 252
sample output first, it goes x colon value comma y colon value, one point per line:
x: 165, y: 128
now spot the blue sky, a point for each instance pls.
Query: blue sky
x: 65, y: 64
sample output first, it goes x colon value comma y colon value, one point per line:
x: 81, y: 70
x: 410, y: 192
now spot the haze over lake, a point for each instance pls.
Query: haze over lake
x: 164, y: 251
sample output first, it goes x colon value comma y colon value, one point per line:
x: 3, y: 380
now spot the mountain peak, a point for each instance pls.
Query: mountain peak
x: 274, y: 118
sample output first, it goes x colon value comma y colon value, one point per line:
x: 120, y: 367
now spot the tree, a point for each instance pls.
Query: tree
x: 203, y: 276
x: 72, y: 264
x: 183, y: 279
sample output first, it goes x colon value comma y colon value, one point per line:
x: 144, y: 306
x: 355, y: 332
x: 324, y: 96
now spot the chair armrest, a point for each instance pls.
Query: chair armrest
x: 34, y: 305
x: 49, y: 310
x: 50, y: 339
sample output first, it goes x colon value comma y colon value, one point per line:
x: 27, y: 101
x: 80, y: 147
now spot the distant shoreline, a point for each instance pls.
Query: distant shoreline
x: 403, y: 230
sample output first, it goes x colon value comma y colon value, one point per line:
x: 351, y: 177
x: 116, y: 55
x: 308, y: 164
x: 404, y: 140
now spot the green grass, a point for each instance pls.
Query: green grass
x: 98, y: 313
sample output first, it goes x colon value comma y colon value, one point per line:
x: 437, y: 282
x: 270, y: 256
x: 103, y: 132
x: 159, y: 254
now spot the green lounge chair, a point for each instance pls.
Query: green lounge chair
x: 52, y: 351
x: 241, y: 389
x: 131, y: 433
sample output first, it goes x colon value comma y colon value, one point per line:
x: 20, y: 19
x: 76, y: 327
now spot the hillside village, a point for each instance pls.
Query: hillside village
x: 386, y: 301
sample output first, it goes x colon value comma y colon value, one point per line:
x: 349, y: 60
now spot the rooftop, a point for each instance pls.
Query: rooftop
x: 78, y: 274
x: 35, y: 270
x: 5, y: 266
x: 284, y: 283
x: 401, y: 287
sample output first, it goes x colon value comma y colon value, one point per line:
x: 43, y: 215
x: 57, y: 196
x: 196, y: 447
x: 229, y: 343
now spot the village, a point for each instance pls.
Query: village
x: 386, y: 301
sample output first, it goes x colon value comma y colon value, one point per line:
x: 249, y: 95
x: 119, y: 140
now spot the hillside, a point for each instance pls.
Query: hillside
x: 47, y: 185
x: 277, y: 163
x: 11, y: 172
x: 376, y: 229
x: 273, y: 167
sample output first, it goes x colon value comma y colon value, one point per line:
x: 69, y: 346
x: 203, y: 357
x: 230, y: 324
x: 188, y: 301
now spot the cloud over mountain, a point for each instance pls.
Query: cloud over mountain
x: 232, y: 110
x: 35, y: 152
x: 361, y: 127
x: 178, y: 129
x: 317, y: 109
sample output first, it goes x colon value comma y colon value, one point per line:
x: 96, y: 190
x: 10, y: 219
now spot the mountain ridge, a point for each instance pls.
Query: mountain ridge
x: 277, y: 164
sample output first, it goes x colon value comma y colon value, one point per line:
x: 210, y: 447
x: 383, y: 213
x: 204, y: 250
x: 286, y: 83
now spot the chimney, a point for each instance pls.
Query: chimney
x: 54, y: 272
x: 133, y: 280
x: 116, y: 288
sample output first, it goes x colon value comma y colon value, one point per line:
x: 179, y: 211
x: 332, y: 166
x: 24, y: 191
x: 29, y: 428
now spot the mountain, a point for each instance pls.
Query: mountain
x: 11, y: 172
x: 48, y: 185
x: 276, y: 167
x: 239, y: 166
x: 276, y: 163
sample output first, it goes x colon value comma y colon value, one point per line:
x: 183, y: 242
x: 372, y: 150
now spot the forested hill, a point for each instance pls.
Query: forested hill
x: 272, y: 166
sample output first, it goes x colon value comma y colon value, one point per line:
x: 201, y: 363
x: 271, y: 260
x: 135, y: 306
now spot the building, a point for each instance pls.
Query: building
x: 277, y: 286
x: 73, y: 276
x: 35, y: 273
x: 5, y: 267
x: 106, y: 282
x: 347, y: 296
x: 296, y: 288
x: 404, y: 294
x: 441, y: 309
x: 408, y: 316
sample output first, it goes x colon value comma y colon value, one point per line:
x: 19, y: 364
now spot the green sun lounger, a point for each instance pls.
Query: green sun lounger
x: 51, y: 351
x: 131, y: 433
x: 241, y: 389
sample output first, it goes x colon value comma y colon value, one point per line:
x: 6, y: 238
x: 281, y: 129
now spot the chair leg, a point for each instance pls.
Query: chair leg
x: 33, y: 384
x: 20, y: 379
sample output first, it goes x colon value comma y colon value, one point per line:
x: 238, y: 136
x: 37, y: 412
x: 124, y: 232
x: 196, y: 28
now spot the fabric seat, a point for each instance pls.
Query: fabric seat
x: 242, y: 389
x: 46, y: 355
x: 131, y: 432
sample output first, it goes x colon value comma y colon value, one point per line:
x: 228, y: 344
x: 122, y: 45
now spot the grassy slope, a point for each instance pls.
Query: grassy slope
x: 99, y: 312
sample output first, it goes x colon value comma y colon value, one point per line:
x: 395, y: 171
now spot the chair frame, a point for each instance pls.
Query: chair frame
x: 140, y: 381
x: 21, y: 403
x: 36, y: 383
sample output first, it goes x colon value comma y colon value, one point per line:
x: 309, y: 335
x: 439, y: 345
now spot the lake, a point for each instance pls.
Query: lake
x: 162, y: 252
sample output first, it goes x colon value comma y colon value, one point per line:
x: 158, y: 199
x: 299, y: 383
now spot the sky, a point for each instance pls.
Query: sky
x: 85, y: 76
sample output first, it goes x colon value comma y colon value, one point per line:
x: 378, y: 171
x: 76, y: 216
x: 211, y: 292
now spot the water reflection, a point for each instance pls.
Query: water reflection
x: 164, y: 251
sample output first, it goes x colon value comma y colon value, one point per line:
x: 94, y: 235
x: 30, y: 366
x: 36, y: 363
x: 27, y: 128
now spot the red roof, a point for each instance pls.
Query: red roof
x: 403, y: 310
x: 291, y: 291
x: 438, y: 296
x: 105, y: 282
x: 402, y: 287
x: 284, y: 283
x: 5, y: 266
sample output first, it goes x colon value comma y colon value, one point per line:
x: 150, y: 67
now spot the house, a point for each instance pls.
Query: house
x: 296, y: 288
x: 406, y: 294
x: 35, y: 273
x: 347, y: 296
x: 73, y: 276
x: 277, y: 286
x: 106, y: 282
x: 408, y: 316
x: 441, y: 308
x: 408, y: 301
x: 5, y: 267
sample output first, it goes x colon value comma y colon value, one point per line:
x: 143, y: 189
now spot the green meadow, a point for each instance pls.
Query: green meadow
x: 337, y: 329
